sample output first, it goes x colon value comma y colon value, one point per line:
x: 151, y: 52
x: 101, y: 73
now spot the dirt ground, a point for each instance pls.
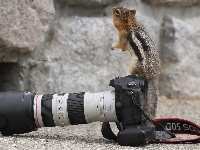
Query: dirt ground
x: 185, y: 109
x: 89, y: 136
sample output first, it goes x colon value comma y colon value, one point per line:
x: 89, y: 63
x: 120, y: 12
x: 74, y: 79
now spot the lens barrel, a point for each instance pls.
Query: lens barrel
x: 22, y: 112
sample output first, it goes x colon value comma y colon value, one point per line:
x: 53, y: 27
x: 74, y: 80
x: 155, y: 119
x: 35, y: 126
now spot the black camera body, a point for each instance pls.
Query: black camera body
x: 127, y: 96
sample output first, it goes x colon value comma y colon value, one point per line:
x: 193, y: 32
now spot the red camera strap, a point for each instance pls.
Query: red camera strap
x: 178, y: 126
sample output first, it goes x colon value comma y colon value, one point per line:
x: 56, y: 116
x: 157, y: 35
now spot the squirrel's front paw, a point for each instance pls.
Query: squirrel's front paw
x: 113, y: 46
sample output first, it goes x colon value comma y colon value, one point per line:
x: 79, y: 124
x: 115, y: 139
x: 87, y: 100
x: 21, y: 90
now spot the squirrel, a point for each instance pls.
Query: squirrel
x: 145, y: 61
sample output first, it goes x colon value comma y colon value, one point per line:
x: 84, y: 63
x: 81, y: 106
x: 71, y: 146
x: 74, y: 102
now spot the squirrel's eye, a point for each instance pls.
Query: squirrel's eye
x: 117, y: 12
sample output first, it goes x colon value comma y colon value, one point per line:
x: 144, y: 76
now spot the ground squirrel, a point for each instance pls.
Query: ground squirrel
x: 145, y: 60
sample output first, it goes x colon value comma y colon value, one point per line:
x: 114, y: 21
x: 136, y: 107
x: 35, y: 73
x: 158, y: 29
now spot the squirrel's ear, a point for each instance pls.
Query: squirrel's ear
x: 133, y: 11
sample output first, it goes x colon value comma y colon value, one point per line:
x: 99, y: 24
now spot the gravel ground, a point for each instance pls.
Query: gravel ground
x: 89, y: 136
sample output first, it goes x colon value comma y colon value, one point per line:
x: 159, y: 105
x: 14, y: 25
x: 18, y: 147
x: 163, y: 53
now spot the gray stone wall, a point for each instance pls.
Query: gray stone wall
x: 56, y: 46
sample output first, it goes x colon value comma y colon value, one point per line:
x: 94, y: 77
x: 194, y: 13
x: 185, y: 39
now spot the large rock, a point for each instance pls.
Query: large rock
x: 92, y: 2
x: 78, y: 57
x: 180, y: 58
x: 69, y: 51
x: 23, y: 25
x: 173, y: 3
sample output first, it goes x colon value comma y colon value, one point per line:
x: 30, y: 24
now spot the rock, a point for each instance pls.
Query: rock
x: 173, y: 3
x: 78, y: 57
x: 23, y: 25
x: 64, y: 45
x: 91, y: 2
x: 180, y: 58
